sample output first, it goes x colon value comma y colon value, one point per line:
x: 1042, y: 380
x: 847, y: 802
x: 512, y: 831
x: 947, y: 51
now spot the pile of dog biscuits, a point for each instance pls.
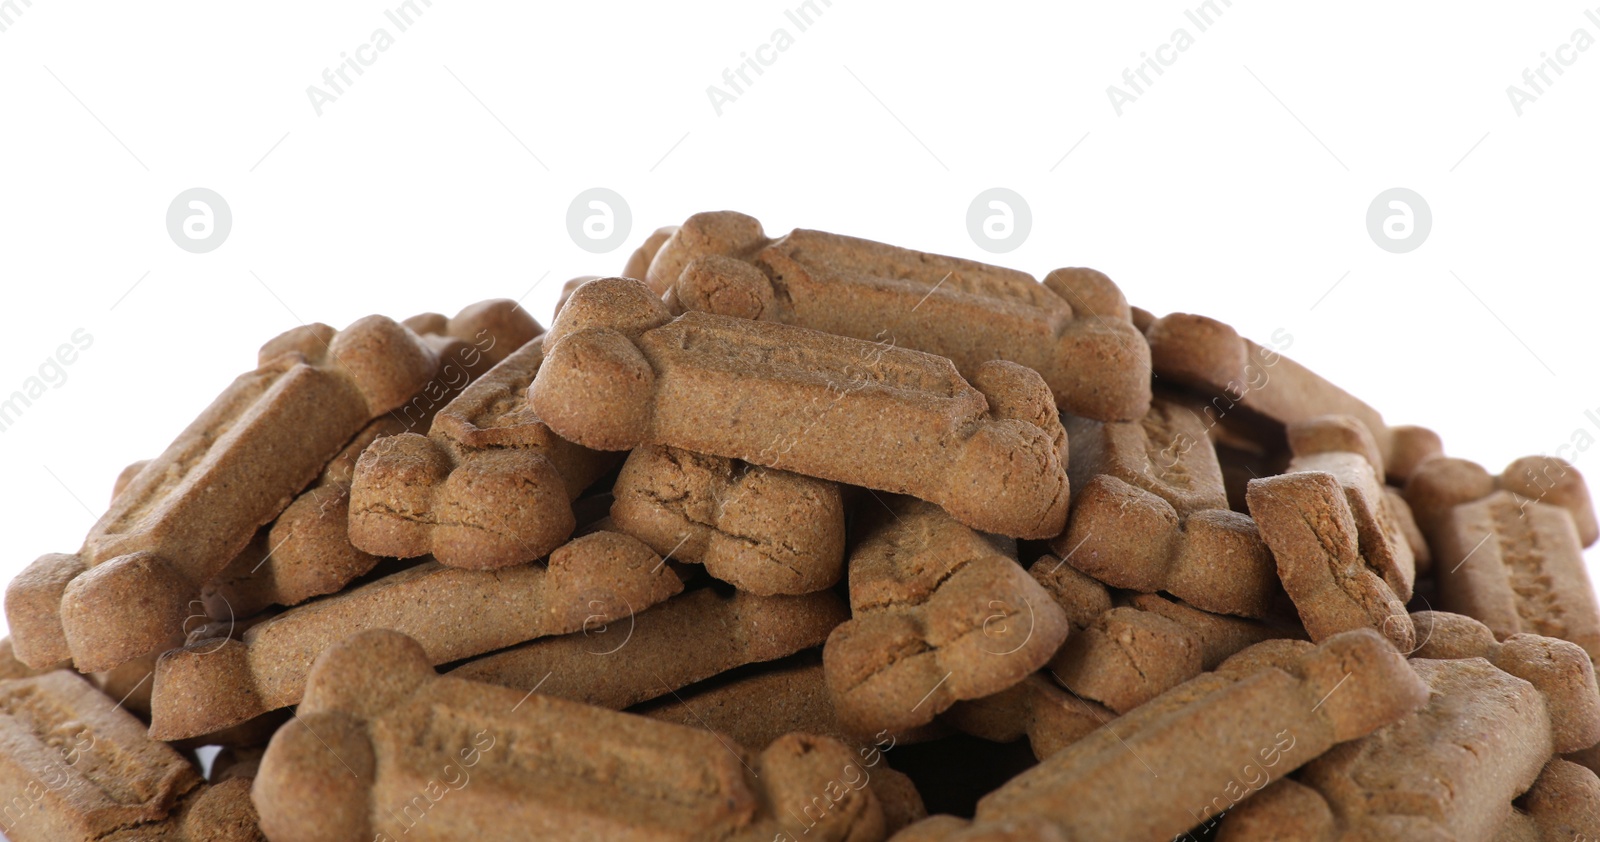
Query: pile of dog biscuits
x: 806, y: 538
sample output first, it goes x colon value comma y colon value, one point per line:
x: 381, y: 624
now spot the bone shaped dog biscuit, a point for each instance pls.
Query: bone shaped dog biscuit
x: 620, y: 373
x: 188, y: 513
x: 1451, y: 770
x: 1150, y: 514
x: 939, y: 615
x: 455, y: 613
x: 760, y: 529
x: 489, y: 486
x: 1263, y: 713
x: 437, y: 757
x: 1073, y: 329
x: 1507, y: 559
x: 75, y: 766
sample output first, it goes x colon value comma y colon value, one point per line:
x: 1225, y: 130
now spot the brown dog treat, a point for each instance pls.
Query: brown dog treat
x: 1531, y: 577
x: 1562, y: 806
x: 1560, y: 669
x: 1150, y: 513
x: 760, y: 707
x: 681, y: 641
x: 209, y: 685
x: 1448, y: 772
x: 938, y: 615
x: 756, y: 710
x: 1409, y: 447
x: 638, y: 266
x: 759, y: 529
x: 1165, y: 766
x: 725, y: 233
x: 1082, y: 598
x: 1441, y: 484
x: 1237, y: 375
x: 1137, y: 651
x: 1517, y: 566
x: 1073, y: 329
x: 1420, y: 552
x: 489, y: 486
x: 568, y: 288
x: 11, y: 668
x: 307, y: 551
x: 826, y: 406
x: 126, y: 477
x: 184, y: 517
x: 547, y: 768
x: 1342, y: 446
x: 1037, y: 708
x: 1306, y: 519
x: 74, y: 766
x: 1554, y: 482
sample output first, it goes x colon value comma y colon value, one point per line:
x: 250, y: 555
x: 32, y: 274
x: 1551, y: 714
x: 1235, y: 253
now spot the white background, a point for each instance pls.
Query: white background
x: 1237, y: 185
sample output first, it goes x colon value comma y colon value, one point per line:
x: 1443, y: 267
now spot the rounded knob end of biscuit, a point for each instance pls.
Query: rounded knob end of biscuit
x: 495, y: 327
x: 501, y: 508
x: 714, y: 232
x: 314, y: 778
x: 1440, y: 484
x: 597, y: 389
x: 621, y: 304
x: 391, y: 495
x: 33, y: 609
x: 726, y: 286
x: 1562, y: 671
x: 1008, y: 479
x: 638, y: 266
x: 367, y: 674
x: 387, y: 363
x: 129, y: 606
x: 1359, y: 682
x: 1089, y: 292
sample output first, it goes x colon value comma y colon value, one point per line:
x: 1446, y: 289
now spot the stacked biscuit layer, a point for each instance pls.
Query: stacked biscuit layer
x: 799, y: 538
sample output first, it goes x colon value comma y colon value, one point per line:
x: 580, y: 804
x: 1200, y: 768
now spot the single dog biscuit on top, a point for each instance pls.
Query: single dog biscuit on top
x: 686, y: 639
x: 1342, y: 446
x: 1451, y: 770
x: 622, y: 373
x: 1169, y: 764
x: 590, y: 581
x: 1073, y: 329
x: 1563, y: 805
x: 488, y: 487
x: 762, y: 530
x: 74, y: 766
x: 1148, y: 645
x: 1149, y: 513
x: 938, y: 615
x: 437, y: 757
x: 1037, y: 708
x: 1504, y: 558
x: 1327, y: 570
x: 192, y: 509
x: 1238, y: 376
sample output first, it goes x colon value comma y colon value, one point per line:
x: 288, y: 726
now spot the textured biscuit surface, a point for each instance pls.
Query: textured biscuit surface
x: 620, y: 373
